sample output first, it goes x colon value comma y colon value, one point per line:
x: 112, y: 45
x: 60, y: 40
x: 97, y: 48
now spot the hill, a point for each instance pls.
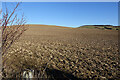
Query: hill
x: 103, y: 27
x: 71, y: 53
x: 41, y: 25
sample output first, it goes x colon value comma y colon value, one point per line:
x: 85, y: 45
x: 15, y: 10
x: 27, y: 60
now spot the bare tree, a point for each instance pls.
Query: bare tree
x: 12, y: 28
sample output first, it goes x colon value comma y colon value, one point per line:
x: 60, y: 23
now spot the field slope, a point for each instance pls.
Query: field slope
x: 80, y: 52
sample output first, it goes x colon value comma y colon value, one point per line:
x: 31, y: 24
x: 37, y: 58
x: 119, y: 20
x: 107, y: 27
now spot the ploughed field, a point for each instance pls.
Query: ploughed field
x: 79, y: 52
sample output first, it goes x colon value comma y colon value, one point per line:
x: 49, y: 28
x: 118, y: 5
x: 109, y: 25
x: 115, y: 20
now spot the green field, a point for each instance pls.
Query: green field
x: 100, y: 27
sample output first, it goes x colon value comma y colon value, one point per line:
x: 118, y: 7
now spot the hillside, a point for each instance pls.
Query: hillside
x: 41, y: 25
x: 102, y: 27
x: 70, y: 53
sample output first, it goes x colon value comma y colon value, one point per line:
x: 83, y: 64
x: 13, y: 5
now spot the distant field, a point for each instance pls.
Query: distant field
x: 80, y: 52
x: 101, y: 27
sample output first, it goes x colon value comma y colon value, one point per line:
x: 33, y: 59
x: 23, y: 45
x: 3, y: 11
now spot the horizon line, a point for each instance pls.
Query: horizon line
x: 77, y: 26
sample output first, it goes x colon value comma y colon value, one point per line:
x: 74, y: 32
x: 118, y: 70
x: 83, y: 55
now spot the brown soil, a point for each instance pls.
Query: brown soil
x: 81, y: 52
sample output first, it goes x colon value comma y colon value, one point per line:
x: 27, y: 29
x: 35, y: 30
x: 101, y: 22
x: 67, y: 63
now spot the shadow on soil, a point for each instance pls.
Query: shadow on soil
x: 60, y: 75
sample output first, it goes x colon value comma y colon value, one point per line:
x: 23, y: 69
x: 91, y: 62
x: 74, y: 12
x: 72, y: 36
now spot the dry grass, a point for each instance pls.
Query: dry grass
x: 83, y: 53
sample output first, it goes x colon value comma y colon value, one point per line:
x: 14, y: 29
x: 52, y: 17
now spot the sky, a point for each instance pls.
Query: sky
x: 69, y: 14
